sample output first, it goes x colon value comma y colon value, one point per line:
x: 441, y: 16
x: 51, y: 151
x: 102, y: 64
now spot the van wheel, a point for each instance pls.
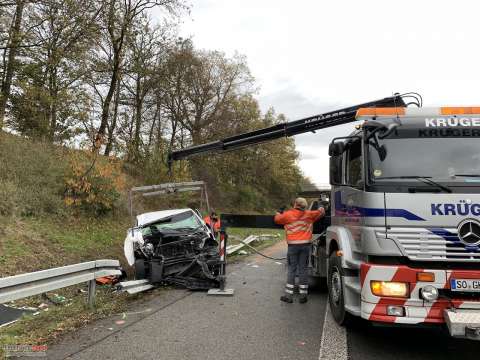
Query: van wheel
x: 336, y: 297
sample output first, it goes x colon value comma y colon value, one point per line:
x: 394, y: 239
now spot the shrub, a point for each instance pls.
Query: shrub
x: 93, y: 184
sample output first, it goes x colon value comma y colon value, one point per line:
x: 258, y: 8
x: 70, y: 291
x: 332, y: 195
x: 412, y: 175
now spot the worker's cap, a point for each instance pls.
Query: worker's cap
x: 300, y: 203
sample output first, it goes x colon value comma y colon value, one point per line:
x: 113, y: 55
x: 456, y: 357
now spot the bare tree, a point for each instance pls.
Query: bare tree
x: 14, y: 39
x: 118, y: 21
x: 201, y: 84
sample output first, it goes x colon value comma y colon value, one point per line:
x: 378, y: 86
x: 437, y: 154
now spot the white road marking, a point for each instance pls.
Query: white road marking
x: 333, y: 345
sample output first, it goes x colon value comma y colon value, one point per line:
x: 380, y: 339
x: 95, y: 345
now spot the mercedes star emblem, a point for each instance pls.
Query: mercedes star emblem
x: 469, y: 232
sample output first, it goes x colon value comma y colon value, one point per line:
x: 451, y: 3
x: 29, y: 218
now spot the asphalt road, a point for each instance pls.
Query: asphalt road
x: 253, y: 324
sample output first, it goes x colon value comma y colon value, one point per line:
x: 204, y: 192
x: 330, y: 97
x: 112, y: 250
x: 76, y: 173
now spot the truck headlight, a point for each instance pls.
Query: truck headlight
x: 389, y: 288
x: 429, y: 293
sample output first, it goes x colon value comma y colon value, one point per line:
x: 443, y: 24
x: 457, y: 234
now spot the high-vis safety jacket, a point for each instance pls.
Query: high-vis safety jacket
x: 298, y: 224
x: 216, y: 224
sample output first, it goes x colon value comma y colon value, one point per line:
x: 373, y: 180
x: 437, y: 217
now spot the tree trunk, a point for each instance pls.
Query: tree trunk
x: 53, y: 105
x: 106, y: 104
x: 10, y: 66
x: 138, y: 118
x: 111, y: 129
x: 117, y: 45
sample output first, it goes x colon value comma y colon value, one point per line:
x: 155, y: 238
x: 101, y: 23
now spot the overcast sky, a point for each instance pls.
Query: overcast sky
x: 310, y: 56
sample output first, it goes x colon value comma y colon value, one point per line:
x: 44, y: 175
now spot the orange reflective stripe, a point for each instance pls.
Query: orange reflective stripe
x: 295, y: 223
x: 459, y: 110
x: 299, y: 229
x: 381, y: 111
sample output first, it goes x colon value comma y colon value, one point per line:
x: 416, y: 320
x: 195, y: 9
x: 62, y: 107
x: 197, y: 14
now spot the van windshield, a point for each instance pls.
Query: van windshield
x: 185, y: 221
x: 452, y: 160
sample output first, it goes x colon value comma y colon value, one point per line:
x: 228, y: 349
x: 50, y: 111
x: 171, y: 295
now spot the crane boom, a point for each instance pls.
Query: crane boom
x: 309, y: 124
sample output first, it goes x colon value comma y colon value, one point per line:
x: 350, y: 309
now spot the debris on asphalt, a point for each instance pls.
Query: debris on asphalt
x: 120, y: 322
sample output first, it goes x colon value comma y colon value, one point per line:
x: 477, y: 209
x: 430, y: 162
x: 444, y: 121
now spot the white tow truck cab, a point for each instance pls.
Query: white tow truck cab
x: 404, y: 242
x: 402, y: 245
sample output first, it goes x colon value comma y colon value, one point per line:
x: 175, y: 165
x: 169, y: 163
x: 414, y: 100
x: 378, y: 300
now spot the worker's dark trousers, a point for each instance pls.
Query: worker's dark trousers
x: 297, y: 261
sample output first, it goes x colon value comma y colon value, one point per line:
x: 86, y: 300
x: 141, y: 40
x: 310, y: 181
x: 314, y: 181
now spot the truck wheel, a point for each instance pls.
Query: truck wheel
x: 335, y: 291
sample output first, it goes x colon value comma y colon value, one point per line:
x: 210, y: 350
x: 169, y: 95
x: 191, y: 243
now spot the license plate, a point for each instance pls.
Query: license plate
x: 465, y: 285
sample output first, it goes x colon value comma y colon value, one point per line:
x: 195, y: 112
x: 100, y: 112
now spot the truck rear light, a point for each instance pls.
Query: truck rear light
x: 389, y: 288
x: 426, y: 277
x: 395, y: 310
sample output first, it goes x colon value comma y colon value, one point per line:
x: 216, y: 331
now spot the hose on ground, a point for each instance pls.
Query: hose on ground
x: 259, y: 253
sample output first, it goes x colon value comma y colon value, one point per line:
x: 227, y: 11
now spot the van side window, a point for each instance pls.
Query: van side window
x: 354, y: 164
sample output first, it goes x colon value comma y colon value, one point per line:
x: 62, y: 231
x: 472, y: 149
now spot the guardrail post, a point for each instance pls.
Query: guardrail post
x: 91, y: 293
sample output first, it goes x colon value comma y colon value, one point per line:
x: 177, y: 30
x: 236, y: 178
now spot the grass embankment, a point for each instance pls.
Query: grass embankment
x: 31, y: 244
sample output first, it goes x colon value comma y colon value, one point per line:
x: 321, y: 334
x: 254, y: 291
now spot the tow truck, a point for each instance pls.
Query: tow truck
x: 402, y: 245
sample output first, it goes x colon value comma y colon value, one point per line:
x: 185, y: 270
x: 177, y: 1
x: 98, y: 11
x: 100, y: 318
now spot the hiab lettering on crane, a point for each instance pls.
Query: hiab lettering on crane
x: 462, y: 208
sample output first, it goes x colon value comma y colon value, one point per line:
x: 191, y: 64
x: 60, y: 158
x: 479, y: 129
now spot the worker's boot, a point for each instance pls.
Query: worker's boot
x: 288, y: 297
x: 303, y: 299
x: 303, y: 290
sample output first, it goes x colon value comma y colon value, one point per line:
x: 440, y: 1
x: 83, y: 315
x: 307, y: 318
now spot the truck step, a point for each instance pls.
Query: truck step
x: 353, y: 285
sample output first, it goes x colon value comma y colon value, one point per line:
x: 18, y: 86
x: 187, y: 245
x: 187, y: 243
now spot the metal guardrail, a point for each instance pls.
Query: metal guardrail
x: 34, y: 283
x: 231, y: 249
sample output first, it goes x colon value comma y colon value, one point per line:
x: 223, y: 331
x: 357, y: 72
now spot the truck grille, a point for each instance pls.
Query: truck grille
x: 432, y: 245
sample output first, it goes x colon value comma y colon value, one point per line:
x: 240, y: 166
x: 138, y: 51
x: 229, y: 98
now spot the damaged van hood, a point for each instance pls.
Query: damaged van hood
x: 151, y: 217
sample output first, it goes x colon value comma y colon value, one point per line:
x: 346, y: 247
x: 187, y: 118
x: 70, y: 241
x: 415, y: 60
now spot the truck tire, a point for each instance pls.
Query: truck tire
x: 335, y: 291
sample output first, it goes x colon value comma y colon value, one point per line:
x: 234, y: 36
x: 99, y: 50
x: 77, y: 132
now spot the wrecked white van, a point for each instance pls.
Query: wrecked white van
x: 173, y: 247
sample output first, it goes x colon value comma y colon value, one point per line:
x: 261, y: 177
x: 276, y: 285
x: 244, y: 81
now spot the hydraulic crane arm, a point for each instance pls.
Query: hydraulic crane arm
x: 310, y: 124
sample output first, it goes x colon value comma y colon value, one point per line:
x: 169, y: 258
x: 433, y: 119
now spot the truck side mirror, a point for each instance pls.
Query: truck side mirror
x: 336, y: 148
x: 336, y: 173
x: 390, y: 129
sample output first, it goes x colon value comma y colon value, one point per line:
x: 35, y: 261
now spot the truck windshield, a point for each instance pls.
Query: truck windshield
x: 451, y: 160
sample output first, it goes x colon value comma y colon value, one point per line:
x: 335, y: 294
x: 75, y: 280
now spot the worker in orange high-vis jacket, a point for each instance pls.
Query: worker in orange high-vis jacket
x: 213, y: 222
x: 298, y: 224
